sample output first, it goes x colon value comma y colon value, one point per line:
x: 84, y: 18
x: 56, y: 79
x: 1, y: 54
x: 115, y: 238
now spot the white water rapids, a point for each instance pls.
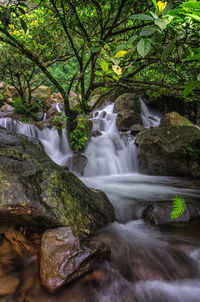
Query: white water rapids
x: 137, y: 247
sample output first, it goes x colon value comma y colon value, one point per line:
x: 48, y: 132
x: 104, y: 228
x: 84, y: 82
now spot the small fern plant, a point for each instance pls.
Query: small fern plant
x: 178, y: 207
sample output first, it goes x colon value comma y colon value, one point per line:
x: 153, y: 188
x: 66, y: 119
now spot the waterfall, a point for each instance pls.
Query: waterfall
x: 149, y: 119
x: 56, y: 145
x: 109, y: 152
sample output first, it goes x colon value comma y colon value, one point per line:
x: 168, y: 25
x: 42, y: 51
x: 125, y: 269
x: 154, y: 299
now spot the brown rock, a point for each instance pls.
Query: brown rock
x: 6, y: 108
x: 64, y: 259
x: 135, y: 129
x: 9, y: 284
x: 174, y: 119
x: 126, y: 119
x: 52, y: 112
x: 127, y: 101
x: 96, y: 133
x: 39, y: 116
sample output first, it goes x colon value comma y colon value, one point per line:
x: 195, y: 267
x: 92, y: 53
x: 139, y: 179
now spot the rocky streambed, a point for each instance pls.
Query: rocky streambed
x: 63, y: 239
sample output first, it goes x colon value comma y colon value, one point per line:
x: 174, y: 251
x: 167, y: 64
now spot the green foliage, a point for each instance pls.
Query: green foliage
x: 194, y: 153
x: 23, y: 107
x: 144, y: 47
x: 78, y: 136
x: 178, y: 207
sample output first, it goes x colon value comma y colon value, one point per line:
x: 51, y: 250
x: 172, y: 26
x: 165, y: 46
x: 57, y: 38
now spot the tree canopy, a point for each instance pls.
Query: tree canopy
x: 152, y: 45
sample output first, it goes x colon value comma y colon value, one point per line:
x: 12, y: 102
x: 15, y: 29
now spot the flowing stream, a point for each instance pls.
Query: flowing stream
x: 148, y: 264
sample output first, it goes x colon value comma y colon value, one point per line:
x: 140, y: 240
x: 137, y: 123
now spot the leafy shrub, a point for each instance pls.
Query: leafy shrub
x: 23, y: 107
x: 78, y: 136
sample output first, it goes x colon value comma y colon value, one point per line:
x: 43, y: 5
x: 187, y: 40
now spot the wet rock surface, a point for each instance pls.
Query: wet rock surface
x: 126, y: 119
x: 159, y: 212
x: 63, y: 258
x: 173, y: 151
x: 37, y: 193
x: 77, y: 163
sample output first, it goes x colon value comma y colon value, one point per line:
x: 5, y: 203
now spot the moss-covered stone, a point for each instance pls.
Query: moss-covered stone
x: 171, y: 151
x: 36, y: 192
x: 128, y: 101
x: 174, y: 119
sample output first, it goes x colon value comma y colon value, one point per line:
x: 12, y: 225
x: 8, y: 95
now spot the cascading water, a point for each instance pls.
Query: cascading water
x: 56, y: 145
x: 108, y: 152
x: 148, y: 118
x: 148, y: 264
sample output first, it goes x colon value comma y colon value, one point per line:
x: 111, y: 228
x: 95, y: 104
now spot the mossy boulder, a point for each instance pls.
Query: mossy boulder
x: 174, y: 119
x: 127, y: 101
x: 37, y: 193
x: 173, y: 151
x: 42, y: 94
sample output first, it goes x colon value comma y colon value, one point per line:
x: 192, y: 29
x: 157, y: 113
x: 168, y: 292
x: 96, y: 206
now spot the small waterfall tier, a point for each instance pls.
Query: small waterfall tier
x: 149, y: 118
x: 109, y: 152
x: 56, y: 145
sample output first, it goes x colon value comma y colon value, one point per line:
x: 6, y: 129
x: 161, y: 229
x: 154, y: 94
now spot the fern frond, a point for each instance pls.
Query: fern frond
x: 178, y: 207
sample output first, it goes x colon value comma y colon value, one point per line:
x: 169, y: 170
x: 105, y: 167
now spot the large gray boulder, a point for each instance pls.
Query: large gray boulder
x: 37, y: 193
x: 173, y: 151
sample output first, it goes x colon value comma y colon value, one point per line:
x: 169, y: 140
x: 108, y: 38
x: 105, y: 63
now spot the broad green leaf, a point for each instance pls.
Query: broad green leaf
x: 191, y: 4
x: 141, y: 17
x: 117, y: 69
x: 176, y: 12
x: 24, y: 25
x: 198, y: 77
x: 98, y: 73
x: 167, y: 50
x: 120, y: 54
x: 190, y: 87
x: 162, y: 23
x: 193, y: 58
x: 194, y: 16
x: 154, y: 15
x: 143, y: 47
x: 148, y: 31
x: 104, y: 66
